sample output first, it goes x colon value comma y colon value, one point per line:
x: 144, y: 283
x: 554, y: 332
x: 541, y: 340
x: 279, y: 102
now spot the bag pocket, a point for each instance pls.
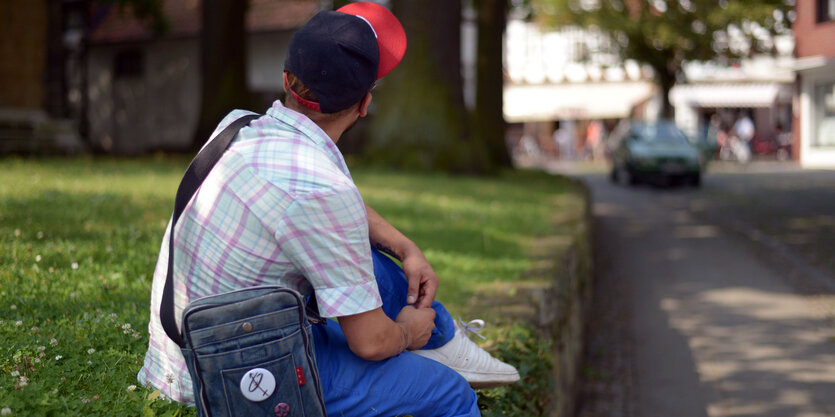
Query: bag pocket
x: 250, y: 353
x: 222, y: 374
x: 278, y: 376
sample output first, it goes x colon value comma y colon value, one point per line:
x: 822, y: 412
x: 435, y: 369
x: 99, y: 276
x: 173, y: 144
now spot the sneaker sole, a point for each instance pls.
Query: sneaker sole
x: 484, y: 381
x: 489, y: 384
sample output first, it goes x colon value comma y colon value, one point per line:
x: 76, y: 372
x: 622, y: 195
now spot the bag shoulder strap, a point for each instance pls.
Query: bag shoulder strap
x: 197, y: 171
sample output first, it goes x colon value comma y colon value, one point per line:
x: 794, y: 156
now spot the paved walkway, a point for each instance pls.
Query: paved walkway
x: 692, y: 319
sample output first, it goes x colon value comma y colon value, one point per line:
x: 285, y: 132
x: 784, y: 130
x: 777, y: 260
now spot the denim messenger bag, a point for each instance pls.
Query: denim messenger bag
x: 249, y: 352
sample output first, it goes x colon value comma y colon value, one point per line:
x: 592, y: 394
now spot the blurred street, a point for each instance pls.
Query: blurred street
x: 713, y: 301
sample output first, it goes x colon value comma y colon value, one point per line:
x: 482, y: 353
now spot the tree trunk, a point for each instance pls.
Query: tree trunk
x: 489, y: 115
x: 666, y: 79
x: 55, y: 92
x: 420, y: 120
x: 223, y: 64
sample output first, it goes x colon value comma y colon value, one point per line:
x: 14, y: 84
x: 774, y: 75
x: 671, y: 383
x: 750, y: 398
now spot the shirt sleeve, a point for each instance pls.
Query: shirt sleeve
x: 325, y: 235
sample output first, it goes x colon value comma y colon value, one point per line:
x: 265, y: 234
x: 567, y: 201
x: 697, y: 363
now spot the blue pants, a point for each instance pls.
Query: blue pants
x: 406, y: 384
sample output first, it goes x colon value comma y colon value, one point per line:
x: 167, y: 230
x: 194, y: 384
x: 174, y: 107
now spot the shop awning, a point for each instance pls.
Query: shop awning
x: 813, y: 63
x: 723, y: 95
x: 599, y: 100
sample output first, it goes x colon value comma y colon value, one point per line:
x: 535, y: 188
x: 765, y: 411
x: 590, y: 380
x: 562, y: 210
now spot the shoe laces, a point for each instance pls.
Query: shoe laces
x: 472, y: 327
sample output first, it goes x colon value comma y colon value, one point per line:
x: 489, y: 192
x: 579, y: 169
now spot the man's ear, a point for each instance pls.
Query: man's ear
x: 366, y: 101
x: 286, y: 82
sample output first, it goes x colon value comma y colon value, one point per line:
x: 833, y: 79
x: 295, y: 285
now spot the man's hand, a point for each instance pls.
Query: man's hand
x: 417, y: 325
x: 373, y: 336
x: 423, y: 282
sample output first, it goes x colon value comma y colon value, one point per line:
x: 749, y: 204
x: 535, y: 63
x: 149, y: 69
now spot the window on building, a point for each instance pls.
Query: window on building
x: 824, y: 112
x: 129, y: 63
x: 826, y: 10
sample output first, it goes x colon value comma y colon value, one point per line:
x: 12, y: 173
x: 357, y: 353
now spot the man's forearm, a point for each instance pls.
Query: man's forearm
x: 423, y: 282
x: 374, y: 336
x: 386, y: 238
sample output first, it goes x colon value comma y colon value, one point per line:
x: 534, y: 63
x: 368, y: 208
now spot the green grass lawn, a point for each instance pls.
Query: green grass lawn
x: 79, y: 239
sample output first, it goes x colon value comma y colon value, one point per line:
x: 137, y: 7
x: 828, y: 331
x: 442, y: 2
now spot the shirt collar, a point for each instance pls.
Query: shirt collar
x: 309, y: 130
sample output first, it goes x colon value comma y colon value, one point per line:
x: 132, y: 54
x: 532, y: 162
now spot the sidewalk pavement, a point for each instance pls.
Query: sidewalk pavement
x: 785, y: 209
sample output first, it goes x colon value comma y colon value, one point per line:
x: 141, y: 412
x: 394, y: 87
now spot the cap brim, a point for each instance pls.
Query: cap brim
x: 391, y: 38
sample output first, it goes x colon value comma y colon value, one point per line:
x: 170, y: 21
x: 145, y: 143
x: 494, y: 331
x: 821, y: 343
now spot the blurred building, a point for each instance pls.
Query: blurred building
x: 759, y: 87
x: 557, y: 83
x: 814, y: 128
x: 36, y: 115
x: 144, y: 89
x: 571, y: 73
x: 574, y: 77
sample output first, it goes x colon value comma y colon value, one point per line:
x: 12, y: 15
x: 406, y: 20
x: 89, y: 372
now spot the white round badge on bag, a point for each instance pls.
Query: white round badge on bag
x: 257, y: 384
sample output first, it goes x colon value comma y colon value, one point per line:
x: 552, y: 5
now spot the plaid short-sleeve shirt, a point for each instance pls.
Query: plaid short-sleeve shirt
x: 279, y: 208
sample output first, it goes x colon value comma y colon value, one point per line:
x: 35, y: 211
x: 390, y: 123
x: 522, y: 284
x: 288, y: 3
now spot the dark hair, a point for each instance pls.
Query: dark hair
x: 306, y: 93
x: 298, y: 86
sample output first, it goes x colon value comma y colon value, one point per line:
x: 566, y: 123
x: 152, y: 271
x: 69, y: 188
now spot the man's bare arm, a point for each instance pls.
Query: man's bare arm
x: 423, y: 282
x: 374, y: 337
x: 386, y: 238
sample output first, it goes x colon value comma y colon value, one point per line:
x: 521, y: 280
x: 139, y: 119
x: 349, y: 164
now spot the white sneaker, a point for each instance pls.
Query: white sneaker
x: 477, y: 366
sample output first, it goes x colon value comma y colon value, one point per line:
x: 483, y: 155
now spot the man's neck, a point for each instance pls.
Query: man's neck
x: 334, y: 132
x: 333, y: 128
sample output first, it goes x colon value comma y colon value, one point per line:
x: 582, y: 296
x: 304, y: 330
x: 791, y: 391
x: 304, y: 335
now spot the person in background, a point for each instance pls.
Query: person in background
x: 744, y: 128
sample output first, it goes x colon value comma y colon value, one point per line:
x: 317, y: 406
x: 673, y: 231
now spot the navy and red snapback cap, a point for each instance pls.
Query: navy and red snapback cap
x: 340, y: 54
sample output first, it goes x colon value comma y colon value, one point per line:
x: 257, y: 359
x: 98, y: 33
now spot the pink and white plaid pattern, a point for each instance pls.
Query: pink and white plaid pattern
x: 279, y: 208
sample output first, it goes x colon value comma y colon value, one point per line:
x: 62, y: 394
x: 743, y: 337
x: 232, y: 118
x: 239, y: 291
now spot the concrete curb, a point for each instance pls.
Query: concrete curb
x: 557, y: 300
x: 562, y: 310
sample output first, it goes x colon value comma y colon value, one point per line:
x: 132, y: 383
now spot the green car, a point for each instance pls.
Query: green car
x: 658, y: 153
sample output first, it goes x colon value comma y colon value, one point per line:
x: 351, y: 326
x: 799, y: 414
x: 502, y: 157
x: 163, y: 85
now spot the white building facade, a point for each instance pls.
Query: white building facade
x: 570, y: 74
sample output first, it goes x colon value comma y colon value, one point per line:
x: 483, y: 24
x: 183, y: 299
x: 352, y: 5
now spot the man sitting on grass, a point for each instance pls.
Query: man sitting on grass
x: 280, y: 208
